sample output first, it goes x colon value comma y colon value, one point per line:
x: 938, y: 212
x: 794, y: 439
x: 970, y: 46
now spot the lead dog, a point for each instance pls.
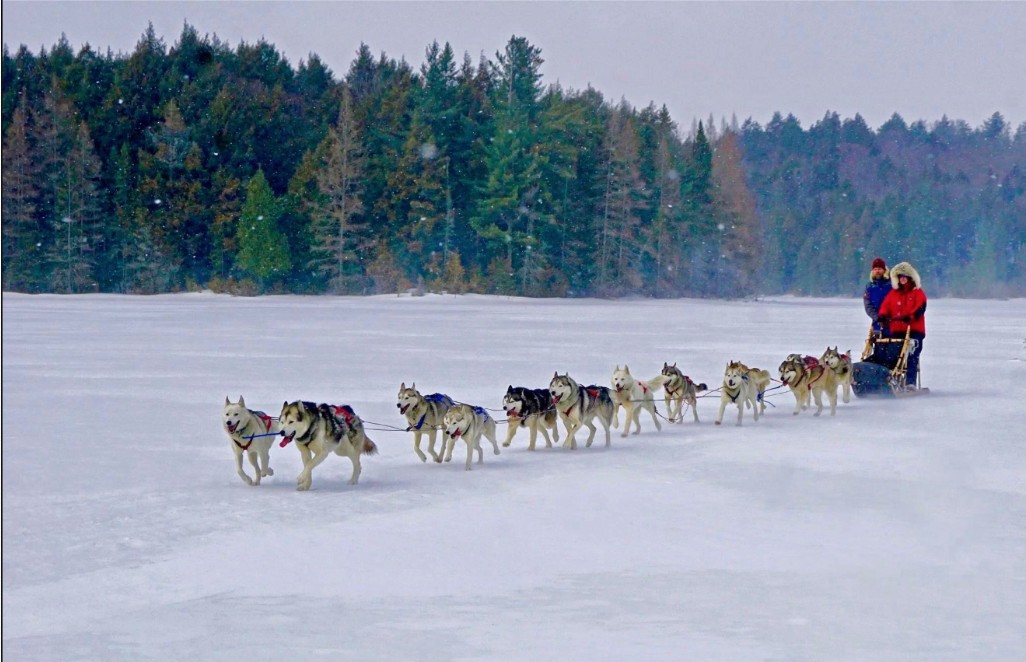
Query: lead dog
x: 530, y: 408
x: 578, y: 405
x: 633, y: 396
x: 424, y: 413
x: 469, y: 424
x: 679, y: 389
x: 322, y: 429
x: 241, y: 424
x: 841, y: 366
x: 741, y: 389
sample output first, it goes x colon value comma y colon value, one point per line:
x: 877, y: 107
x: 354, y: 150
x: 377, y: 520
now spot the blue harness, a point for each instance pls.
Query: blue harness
x: 434, y: 397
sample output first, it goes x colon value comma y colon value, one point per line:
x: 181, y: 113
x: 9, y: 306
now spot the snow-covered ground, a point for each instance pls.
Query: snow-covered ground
x: 895, y: 531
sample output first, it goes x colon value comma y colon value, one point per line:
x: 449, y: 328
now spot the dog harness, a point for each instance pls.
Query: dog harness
x: 434, y: 397
x: 267, y: 423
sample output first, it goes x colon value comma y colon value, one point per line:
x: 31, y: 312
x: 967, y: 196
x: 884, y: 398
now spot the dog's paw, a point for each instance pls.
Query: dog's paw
x: 354, y: 481
x: 506, y: 444
x: 303, y: 487
x: 718, y: 422
x: 438, y: 459
x: 267, y: 472
x: 246, y: 479
x: 423, y: 458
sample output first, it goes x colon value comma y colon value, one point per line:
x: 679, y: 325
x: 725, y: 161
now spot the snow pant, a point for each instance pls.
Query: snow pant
x: 916, y: 339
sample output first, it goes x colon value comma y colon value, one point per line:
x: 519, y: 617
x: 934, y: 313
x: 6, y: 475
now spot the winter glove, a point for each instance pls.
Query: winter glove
x: 905, y: 320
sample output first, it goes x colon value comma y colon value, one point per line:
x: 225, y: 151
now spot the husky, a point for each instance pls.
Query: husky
x: 320, y: 429
x: 530, y: 408
x: 678, y: 389
x: 578, y: 405
x: 841, y: 366
x: 424, y: 413
x: 806, y: 376
x: 740, y: 388
x: 761, y: 379
x: 469, y: 424
x: 240, y: 423
x: 633, y: 396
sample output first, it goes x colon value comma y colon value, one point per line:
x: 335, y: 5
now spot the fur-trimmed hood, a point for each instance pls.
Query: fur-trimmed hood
x: 905, y: 269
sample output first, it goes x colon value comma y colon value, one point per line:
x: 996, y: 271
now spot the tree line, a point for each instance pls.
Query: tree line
x: 205, y: 165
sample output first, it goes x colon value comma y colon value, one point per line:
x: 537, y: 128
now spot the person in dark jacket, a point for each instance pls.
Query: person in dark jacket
x: 904, y: 309
x: 877, y: 290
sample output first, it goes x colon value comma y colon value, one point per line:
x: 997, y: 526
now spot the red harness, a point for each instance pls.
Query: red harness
x: 267, y: 422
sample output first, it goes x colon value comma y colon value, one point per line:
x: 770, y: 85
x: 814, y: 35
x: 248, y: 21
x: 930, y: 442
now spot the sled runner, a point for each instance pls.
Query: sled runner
x: 883, y: 370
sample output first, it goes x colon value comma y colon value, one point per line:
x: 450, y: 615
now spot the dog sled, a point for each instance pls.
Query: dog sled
x: 883, y: 370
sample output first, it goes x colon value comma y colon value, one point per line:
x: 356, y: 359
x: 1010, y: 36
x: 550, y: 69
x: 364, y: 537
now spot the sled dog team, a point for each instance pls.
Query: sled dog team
x: 321, y: 429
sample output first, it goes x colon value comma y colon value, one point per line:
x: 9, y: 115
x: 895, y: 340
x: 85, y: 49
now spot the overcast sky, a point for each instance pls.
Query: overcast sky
x: 920, y: 59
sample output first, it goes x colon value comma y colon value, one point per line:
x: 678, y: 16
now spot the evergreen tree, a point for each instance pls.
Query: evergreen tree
x: 340, y: 239
x: 20, y: 230
x: 262, y: 252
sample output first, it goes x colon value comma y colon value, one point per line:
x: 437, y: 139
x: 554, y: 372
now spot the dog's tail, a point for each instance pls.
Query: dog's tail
x: 701, y: 387
x: 369, y: 447
x: 657, y: 383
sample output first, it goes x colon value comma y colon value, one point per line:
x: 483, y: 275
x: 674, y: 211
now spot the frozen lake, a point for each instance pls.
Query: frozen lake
x: 895, y: 531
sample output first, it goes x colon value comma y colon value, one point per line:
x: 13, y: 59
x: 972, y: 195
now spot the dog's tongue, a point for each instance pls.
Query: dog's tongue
x: 287, y: 440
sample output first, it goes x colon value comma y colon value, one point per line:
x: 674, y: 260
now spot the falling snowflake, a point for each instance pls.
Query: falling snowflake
x: 672, y: 174
x: 157, y: 201
x: 121, y: 102
x: 260, y: 218
x: 428, y: 151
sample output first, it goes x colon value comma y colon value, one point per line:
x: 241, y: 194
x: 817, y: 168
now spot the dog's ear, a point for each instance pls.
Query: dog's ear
x: 555, y: 374
x: 402, y: 387
x: 242, y: 401
x: 509, y: 389
x: 227, y: 401
x: 674, y: 364
x: 625, y: 368
x: 665, y: 365
x: 414, y: 386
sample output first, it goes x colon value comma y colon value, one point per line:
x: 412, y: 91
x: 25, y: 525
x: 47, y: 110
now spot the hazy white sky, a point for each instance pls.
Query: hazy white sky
x: 919, y: 59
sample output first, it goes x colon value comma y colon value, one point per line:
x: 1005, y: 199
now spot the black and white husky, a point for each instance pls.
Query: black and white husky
x: 242, y: 425
x: 469, y: 424
x: 578, y: 405
x: 679, y: 389
x: 322, y: 429
x: 531, y: 409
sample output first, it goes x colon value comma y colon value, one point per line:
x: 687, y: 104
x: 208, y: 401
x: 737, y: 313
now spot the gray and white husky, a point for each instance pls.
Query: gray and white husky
x: 469, y: 424
x: 578, y: 405
x: 320, y: 429
x: 241, y: 424
x: 841, y: 366
x: 424, y: 415
x: 679, y: 389
x: 633, y: 395
x: 531, y: 409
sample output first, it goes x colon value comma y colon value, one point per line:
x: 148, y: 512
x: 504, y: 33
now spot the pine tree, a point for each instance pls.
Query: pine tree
x: 263, y: 252
x: 340, y: 241
x: 20, y: 229
x: 80, y: 206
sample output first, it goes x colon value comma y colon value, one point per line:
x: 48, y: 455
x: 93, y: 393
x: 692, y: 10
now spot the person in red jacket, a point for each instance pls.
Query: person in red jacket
x: 904, y: 308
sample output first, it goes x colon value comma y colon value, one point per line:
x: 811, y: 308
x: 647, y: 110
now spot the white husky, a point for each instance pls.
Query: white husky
x: 740, y: 389
x: 633, y: 396
x: 469, y: 424
x: 242, y: 424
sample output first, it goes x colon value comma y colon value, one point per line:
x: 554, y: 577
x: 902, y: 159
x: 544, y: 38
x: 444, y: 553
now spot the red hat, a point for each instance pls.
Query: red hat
x: 878, y: 263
